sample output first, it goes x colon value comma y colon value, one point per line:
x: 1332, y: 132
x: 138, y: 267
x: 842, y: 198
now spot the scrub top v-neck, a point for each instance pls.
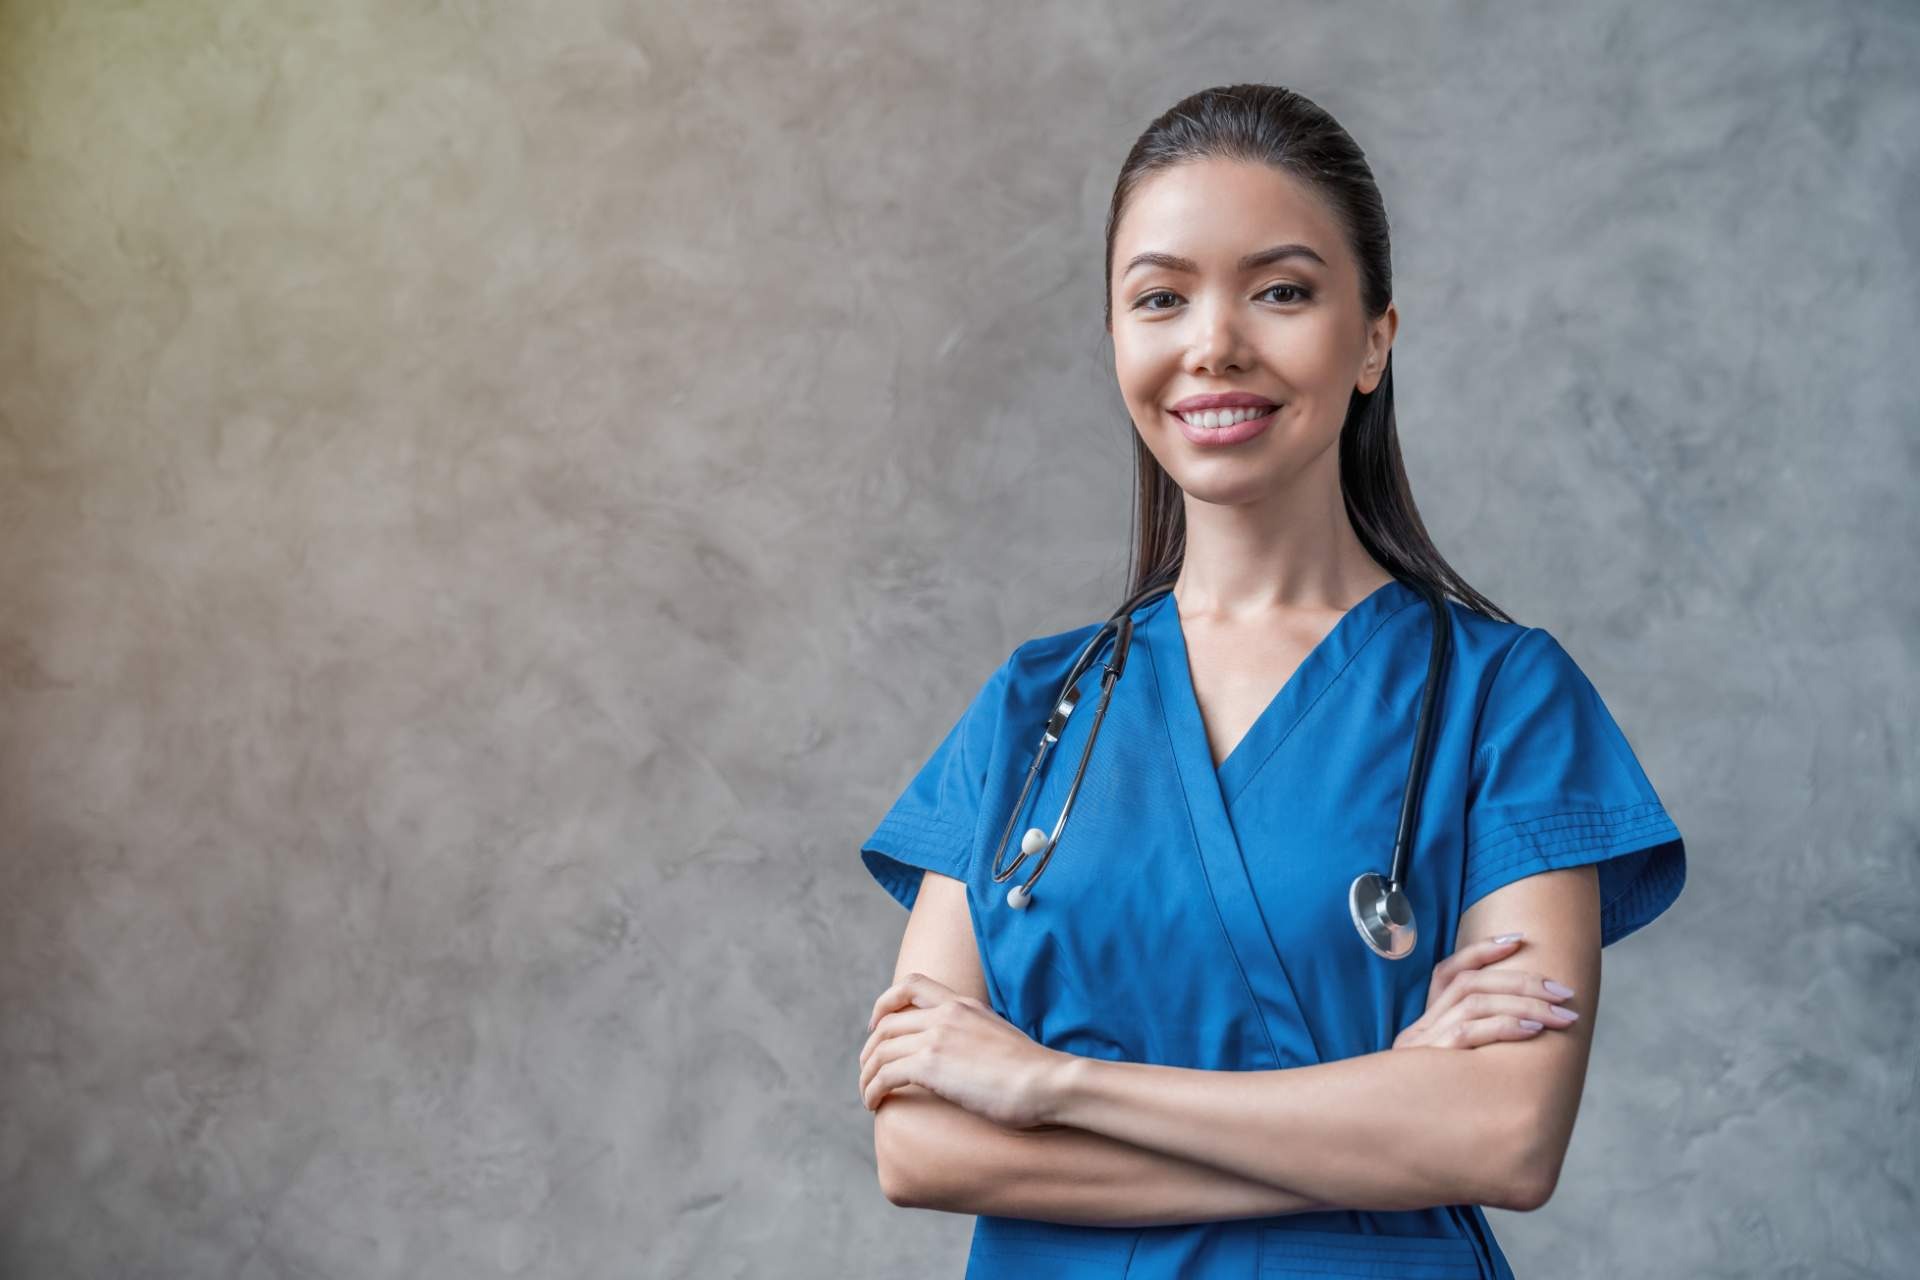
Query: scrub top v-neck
x: 1317, y: 670
x: 1195, y: 914
x: 1211, y: 791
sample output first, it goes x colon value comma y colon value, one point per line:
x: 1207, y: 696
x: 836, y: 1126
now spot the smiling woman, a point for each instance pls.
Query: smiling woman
x: 1221, y: 417
x: 1174, y: 1057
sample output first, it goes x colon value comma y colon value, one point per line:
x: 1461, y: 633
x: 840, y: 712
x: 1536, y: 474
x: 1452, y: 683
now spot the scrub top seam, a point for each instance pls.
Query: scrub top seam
x: 1193, y: 829
x: 1325, y: 689
x: 1487, y: 684
x: 1536, y: 831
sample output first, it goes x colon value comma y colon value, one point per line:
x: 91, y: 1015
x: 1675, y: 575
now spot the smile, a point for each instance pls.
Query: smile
x: 1224, y: 426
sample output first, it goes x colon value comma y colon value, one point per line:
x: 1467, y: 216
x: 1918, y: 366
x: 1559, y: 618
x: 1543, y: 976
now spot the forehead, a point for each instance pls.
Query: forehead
x: 1214, y: 210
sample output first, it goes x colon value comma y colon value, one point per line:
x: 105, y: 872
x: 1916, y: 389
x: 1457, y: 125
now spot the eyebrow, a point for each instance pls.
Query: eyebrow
x: 1264, y: 258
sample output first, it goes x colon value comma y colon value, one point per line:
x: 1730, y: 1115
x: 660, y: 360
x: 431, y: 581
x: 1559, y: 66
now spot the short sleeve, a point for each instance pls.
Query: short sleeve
x: 1554, y: 784
x: 931, y: 826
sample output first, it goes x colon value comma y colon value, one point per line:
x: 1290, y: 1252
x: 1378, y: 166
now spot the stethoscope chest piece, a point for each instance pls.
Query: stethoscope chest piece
x: 1383, y: 916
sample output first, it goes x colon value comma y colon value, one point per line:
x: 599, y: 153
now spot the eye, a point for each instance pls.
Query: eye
x: 1301, y: 295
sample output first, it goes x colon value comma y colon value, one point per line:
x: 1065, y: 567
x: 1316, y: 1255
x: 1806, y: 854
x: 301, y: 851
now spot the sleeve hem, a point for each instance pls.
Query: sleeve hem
x: 906, y: 844
x: 1646, y: 880
x: 1566, y: 833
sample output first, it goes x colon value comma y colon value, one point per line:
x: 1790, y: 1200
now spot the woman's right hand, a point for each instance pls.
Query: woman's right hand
x: 1468, y: 1005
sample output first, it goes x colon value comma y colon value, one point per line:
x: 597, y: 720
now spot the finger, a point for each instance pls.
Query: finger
x: 869, y: 1064
x: 889, y: 1050
x: 1547, y: 1011
x: 1483, y: 1004
x: 1514, y: 982
x: 1492, y: 1030
x: 913, y: 1018
x: 1472, y: 956
x: 889, y: 1075
x: 914, y: 988
x: 1480, y: 982
x: 1477, y: 954
x: 1511, y: 981
x: 892, y: 998
x: 897, y: 1023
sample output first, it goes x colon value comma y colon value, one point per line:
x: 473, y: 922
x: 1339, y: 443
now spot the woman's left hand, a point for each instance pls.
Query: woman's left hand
x: 928, y: 1034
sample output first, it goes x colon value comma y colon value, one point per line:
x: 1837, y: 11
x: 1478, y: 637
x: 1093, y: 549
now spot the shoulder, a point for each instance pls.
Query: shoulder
x: 1485, y: 648
x: 1509, y: 668
x: 1056, y: 650
x: 1524, y: 683
x: 1483, y: 641
x: 1031, y: 676
x: 1023, y: 688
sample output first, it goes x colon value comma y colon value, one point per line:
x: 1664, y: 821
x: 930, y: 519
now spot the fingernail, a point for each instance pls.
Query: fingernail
x: 1530, y: 1024
x: 1510, y: 937
x: 1556, y: 990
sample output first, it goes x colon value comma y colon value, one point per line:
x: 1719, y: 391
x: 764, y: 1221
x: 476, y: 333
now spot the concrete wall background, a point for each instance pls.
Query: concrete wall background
x: 496, y: 499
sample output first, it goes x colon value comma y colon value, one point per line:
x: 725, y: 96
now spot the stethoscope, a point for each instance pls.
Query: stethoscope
x: 1381, y: 911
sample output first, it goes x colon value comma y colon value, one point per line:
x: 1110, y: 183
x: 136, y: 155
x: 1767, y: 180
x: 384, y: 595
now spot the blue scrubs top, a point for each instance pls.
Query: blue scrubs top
x: 1197, y: 916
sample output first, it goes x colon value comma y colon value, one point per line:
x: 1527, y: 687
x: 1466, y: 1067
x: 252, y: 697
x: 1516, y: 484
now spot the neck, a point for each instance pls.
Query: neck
x: 1295, y: 549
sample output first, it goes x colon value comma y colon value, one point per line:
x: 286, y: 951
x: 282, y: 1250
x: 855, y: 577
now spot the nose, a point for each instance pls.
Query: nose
x: 1216, y: 340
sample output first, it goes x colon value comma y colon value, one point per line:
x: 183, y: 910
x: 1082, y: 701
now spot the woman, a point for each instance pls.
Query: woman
x: 1177, y: 1054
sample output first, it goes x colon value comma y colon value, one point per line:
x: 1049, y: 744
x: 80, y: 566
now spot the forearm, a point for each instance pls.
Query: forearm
x: 1398, y: 1129
x: 939, y: 1156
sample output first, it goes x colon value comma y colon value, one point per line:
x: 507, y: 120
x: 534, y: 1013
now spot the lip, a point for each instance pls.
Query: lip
x: 1221, y: 400
x: 1235, y: 434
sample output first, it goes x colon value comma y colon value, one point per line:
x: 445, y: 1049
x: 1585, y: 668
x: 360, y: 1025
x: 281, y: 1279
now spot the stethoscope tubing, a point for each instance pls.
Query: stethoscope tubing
x: 1380, y: 908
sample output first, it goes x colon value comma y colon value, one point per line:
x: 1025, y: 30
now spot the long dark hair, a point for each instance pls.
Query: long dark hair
x: 1268, y: 124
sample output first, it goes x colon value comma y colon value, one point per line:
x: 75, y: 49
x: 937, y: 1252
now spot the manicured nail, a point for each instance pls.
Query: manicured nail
x: 1557, y: 991
x: 1510, y: 937
x: 1529, y: 1024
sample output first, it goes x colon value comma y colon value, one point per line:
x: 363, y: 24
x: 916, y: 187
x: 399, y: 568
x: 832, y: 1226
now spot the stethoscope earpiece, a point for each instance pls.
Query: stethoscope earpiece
x: 1031, y: 843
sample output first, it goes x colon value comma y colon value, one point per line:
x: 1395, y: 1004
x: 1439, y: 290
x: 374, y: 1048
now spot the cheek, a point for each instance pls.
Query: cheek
x: 1143, y: 375
x: 1321, y: 357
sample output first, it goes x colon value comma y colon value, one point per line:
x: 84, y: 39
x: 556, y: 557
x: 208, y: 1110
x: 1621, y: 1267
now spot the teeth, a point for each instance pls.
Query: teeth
x: 1223, y: 417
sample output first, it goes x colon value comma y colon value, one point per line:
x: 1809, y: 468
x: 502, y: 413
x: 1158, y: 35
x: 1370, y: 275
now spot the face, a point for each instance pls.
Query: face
x: 1287, y: 332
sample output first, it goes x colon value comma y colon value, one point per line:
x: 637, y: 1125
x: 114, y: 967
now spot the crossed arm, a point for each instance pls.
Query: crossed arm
x: 1135, y: 1144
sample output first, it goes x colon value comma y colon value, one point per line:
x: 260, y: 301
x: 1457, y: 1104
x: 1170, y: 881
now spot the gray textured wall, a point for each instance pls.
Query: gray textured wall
x: 496, y: 498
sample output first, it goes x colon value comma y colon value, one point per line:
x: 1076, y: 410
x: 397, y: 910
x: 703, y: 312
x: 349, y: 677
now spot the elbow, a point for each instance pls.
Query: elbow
x: 1533, y: 1171
x: 1530, y: 1191
x: 896, y: 1188
x: 896, y: 1160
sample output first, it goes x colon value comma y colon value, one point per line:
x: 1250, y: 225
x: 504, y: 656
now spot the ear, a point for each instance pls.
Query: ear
x: 1373, y: 365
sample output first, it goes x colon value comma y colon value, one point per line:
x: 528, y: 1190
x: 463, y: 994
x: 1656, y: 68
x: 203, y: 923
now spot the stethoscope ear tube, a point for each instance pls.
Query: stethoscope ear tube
x: 1120, y: 626
x: 1422, y: 737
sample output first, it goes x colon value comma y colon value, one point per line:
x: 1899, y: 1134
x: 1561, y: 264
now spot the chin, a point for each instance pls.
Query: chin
x: 1227, y: 482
